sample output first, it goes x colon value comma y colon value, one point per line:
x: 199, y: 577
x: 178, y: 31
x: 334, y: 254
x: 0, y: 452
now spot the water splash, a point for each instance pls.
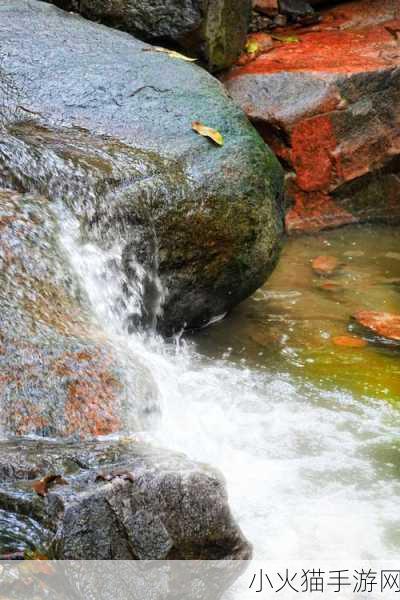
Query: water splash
x: 304, y: 467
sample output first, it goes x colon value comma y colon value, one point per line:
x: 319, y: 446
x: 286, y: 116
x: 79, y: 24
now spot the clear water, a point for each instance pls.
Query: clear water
x: 305, y: 433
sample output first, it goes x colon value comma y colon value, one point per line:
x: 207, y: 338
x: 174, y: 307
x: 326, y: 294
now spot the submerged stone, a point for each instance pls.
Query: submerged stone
x: 349, y: 341
x: 102, y: 122
x: 383, y: 324
x: 325, y: 265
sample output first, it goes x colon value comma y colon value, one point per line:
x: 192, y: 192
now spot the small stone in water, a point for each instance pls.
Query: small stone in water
x: 325, y: 265
x: 331, y: 286
x: 384, y: 324
x: 349, y: 341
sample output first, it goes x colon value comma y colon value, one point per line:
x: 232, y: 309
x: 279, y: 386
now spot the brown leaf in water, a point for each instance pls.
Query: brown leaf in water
x: 209, y: 132
x: 252, y: 47
x: 349, y: 341
x: 325, y: 265
x: 41, y: 487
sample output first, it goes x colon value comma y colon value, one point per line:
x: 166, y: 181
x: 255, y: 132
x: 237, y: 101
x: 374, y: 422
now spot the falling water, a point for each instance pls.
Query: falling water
x: 310, y: 473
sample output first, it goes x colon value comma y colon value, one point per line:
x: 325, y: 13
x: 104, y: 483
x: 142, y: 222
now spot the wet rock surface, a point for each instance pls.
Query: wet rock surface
x: 58, y: 377
x: 169, y: 507
x: 103, y: 123
x: 383, y: 324
x: 214, y: 31
x: 327, y: 101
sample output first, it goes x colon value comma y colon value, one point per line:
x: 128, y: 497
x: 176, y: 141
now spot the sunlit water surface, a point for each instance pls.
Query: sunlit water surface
x: 305, y: 432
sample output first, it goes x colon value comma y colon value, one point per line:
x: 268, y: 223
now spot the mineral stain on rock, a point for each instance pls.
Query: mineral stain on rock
x: 56, y: 378
x: 329, y: 107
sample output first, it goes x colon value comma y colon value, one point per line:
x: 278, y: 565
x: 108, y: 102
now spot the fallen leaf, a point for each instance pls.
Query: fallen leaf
x: 324, y: 265
x: 171, y: 53
x: 290, y: 39
x: 205, y: 131
x: 349, y: 341
x: 252, y: 47
x: 41, y: 487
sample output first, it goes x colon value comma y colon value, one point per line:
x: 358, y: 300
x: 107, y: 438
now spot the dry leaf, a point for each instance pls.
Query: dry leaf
x: 291, y: 39
x: 205, y: 131
x: 349, y: 341
x: 171, y: 53
x: 252, y: 47
x: 41, y: 486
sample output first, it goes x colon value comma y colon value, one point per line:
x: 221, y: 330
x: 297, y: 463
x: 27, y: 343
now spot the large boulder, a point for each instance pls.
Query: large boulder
x: 326, y: 98
x: 102, y: 122
x: 213, y: 30
x: 61, y: 378
x: 115, y: 500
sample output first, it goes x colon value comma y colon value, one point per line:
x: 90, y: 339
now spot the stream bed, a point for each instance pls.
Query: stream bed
x: 305, y: 431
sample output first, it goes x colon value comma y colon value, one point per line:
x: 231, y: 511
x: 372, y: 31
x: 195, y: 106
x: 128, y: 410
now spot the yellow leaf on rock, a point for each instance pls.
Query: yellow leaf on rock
x: 252, y: 47
x: 205, y: 131
x: 171, y: 53
x: 290, y: 39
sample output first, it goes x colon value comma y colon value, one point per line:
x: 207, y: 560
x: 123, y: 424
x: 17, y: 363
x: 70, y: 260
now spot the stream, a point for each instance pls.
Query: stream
x: 304, y: 431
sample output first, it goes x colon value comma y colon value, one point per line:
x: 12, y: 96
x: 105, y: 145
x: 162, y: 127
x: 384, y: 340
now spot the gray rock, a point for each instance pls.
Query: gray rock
x: 102, y: 122
x: 215, y: 31
x: 295, y: 8
x: 156, y: 505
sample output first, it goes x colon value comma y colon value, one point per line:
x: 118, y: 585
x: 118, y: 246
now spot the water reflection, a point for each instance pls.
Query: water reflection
x: 293, y: 321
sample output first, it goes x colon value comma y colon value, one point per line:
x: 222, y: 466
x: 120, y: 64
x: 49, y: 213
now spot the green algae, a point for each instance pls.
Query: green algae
x: 291, y: 323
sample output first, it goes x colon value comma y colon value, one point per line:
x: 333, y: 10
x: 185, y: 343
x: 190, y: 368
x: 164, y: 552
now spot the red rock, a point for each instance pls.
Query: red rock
x: 324, y: 265
x: 384, y: 324
x: 329, y: 106
x: 349, y: 341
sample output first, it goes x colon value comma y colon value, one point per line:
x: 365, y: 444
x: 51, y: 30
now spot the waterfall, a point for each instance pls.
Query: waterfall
x: 293, y: 455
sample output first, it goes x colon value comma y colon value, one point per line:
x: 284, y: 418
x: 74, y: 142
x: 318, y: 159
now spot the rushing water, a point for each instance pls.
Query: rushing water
x: 305, y: 432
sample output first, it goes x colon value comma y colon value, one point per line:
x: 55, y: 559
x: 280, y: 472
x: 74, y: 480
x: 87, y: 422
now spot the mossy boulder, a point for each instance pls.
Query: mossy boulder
x: 102, y: 123
x: 215, y: 31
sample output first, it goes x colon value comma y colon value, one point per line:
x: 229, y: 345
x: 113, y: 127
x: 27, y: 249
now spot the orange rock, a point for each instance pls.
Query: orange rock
x: 329, y: 107
x: 324, y: 265
x: 349, y: 341
x: 384, y: 324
